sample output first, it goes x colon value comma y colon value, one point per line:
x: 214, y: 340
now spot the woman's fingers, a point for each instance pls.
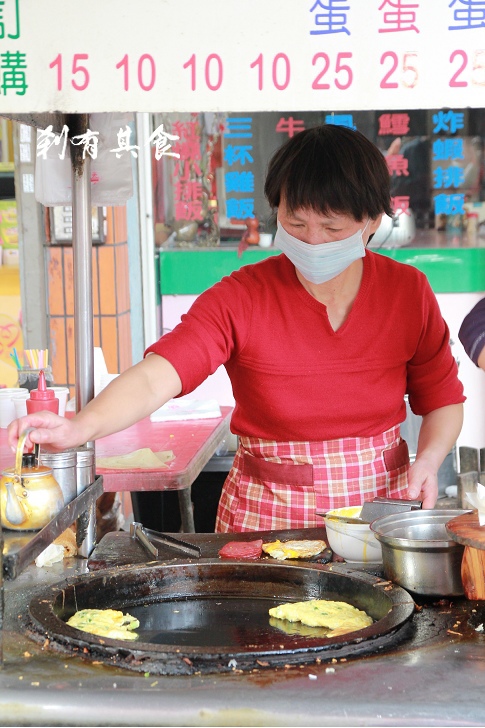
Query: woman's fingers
x: 44, y: 428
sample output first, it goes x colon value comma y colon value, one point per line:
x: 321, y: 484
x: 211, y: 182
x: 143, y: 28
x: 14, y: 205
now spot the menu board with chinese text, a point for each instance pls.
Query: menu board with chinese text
x: 220, y: 55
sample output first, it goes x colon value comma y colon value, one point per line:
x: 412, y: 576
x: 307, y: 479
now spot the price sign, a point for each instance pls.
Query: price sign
x: 217, y: 55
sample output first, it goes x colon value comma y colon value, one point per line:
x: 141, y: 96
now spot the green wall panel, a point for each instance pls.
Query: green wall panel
x: 190, y: 272
x: 449, y: 270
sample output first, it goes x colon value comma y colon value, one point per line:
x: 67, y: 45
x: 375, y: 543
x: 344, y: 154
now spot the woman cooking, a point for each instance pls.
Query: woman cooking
x: 321, y: 344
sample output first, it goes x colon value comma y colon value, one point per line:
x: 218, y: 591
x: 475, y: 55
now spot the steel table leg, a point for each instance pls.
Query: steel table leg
x: 186, y: 511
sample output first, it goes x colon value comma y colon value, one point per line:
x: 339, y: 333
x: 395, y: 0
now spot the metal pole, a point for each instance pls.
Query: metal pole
x: 147, y: 236
x: 82, y: 265
x: 82, y: 244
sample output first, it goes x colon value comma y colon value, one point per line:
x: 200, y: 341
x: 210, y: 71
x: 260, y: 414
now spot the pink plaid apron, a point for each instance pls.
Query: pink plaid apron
x: 278, y: 485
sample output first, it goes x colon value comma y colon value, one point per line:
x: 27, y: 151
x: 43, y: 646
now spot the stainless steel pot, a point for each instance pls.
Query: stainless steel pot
x: 417, y: 552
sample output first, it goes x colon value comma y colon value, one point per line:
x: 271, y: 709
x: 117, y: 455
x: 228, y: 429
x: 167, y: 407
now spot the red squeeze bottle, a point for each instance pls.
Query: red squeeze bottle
x: 42, y: 399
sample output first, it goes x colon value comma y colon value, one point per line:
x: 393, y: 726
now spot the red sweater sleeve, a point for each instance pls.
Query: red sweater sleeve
x: 212, y: 332
x: 432, y: 372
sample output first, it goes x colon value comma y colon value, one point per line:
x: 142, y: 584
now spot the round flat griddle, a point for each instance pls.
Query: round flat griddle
x: 208, y: 615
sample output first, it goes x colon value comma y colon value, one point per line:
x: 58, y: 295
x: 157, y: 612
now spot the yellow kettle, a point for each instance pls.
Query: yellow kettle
x: 30, y: 496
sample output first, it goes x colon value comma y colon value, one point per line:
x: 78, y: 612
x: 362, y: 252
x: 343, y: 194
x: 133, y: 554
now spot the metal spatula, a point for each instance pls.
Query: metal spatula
x: 371, y: 510
x: 385, y: 507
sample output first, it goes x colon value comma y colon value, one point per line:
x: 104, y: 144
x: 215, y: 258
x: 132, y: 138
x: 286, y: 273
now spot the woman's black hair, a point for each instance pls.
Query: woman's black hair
x: 328, y: 169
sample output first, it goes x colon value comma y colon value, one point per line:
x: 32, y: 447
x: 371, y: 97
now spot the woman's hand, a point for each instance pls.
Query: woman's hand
x: 54, y: 433
x: 422, y: 484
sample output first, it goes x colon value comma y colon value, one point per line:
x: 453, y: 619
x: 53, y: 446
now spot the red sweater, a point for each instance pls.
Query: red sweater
x: 293, y: 377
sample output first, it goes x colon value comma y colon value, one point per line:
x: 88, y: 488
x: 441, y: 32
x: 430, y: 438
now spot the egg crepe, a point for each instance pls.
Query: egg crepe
x: 297, y: 628
x: 106, y: 623
x: 144, y: 458
x: 337, y: 617
x: 294, y: 549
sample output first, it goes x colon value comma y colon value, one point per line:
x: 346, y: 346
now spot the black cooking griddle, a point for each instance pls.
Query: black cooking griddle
x: 119, y: 548
x: 210, y: 615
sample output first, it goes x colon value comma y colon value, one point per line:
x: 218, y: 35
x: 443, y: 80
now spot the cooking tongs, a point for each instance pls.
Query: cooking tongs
x: 148, y: 539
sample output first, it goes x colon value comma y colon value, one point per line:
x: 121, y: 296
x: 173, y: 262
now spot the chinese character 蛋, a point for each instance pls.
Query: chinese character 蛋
x: 333, y: 19
x: 467, y: 14
x: 402, y: 16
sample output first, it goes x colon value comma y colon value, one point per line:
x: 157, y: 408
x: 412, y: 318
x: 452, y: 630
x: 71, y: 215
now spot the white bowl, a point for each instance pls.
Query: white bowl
x: 354, y: 542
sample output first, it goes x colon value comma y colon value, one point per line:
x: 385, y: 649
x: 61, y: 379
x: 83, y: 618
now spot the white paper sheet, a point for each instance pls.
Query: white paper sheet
x: 187, y: 409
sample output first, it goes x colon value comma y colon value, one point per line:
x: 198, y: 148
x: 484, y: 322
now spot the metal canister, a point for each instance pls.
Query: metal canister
x: 86, y: 469
x: 63, y: 466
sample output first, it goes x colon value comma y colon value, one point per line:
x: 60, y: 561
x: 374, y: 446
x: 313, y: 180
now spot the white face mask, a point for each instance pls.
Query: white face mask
x: 322, y: 262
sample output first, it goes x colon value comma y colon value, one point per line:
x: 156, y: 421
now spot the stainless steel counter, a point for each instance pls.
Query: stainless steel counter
x: 435, y: 678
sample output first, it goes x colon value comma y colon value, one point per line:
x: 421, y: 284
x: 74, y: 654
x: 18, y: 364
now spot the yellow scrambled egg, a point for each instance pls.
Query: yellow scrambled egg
x: 347, y: 512
x: 337, y: 617
x: 294, y: 549
x: 106, y: 623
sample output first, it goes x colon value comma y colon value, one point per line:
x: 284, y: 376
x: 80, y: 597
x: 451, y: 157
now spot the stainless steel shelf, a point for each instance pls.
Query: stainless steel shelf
x: 22, y: 547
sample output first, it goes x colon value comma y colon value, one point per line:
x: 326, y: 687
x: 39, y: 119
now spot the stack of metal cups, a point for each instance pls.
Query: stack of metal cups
x: 86, y: 525
x: 64, y: 467
x: 74, y: 470
x: 86, y: 470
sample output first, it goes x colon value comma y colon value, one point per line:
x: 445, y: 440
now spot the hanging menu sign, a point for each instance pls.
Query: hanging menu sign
x: 223, y: 55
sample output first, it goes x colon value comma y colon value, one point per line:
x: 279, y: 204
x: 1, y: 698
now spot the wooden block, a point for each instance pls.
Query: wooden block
x: 466, y: 529
x: 473, y: 573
